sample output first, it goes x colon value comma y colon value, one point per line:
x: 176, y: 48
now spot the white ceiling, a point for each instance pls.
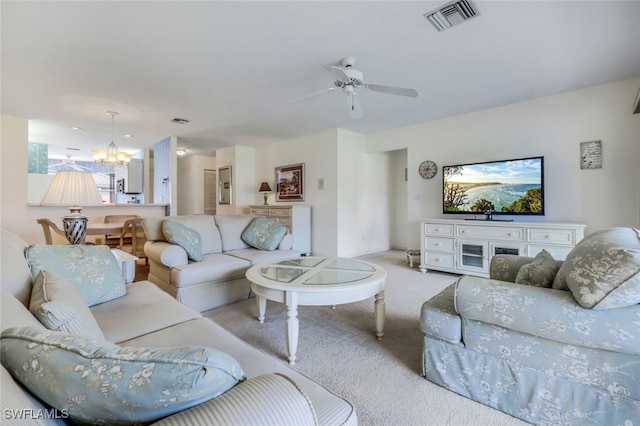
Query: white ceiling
x: 232, y: 67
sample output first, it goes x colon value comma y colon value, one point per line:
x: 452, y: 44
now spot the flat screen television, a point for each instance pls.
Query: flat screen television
x: 507, y: 187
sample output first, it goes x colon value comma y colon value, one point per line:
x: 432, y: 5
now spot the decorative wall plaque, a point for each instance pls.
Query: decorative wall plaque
x: 591, y: 155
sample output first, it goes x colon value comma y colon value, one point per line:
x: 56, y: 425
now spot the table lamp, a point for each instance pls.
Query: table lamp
x: 73, y: 188
x: 265, y: 188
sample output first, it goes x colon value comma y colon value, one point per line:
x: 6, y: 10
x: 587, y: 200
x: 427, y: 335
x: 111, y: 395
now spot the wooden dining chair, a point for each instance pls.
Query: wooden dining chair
x: 47, y: 227
x: 113, y: 241
x: 133, y: 228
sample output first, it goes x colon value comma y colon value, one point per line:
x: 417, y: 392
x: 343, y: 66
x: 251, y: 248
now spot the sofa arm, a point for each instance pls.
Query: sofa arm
x: 165, y: 253
x: 505, y: 267
x: 269, y: 399
x: 286, y: 243
x: 547, y: 313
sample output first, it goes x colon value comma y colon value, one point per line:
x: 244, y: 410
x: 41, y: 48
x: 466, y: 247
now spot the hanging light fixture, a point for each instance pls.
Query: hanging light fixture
x: 112, y: 156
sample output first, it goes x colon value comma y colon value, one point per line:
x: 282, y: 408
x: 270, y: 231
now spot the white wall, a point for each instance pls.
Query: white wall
x: 244, y: 178
x: 318, y: 152
x: 242, y: 160
x: 552, y: 126
x: 191, y: 182
x: 37, y: 185
x: 364, y: 199
x: 350, y: 209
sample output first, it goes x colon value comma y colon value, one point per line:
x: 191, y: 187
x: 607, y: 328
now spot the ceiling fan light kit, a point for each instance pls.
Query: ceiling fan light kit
x: 350, y: 79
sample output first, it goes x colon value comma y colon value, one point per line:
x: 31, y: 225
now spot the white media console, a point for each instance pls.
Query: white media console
x: 466, y: 246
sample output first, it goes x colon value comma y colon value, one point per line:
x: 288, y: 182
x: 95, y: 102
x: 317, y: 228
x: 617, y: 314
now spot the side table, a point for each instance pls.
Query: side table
x: 127, y: 264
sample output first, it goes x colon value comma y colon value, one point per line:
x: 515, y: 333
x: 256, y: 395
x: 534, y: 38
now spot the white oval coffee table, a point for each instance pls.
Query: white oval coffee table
x: 316, y: 281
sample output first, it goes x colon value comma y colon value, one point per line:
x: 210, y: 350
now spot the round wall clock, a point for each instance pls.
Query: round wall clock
x: 427, y: 169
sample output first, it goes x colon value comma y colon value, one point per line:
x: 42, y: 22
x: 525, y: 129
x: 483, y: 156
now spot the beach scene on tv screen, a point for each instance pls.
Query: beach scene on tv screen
x: 510, y: 187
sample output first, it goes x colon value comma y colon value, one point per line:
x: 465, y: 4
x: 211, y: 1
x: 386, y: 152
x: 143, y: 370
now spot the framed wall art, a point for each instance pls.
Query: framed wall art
x: 290, y: 183
x: 591, y: 155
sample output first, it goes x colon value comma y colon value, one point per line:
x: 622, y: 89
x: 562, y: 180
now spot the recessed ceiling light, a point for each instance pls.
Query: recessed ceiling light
x: 181, y: 152
x: 180, y: 120
x: 76, y: 128
x: 127, y: 136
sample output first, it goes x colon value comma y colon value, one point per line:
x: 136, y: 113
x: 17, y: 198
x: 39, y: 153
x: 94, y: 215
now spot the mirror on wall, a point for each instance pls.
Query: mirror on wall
x: 224, y: 185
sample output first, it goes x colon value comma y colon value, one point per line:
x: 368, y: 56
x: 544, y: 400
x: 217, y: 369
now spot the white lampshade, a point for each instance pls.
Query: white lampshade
x: 72, y: 188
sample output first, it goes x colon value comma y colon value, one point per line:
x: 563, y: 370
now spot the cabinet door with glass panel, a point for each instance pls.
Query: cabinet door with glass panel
x: 472, y: 255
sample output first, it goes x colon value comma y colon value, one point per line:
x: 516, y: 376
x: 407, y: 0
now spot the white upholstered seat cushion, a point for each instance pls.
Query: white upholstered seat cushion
x: 146, y: 310
x: 274, y: 400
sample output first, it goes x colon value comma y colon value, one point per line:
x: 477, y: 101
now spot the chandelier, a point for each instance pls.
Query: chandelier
x: 111, y: 156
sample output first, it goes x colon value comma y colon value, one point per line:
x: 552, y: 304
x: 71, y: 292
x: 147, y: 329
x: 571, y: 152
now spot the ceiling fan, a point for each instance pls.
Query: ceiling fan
x: 350, y: 79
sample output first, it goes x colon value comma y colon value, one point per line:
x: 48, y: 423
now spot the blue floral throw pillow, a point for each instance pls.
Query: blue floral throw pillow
x: 98, y: 382
x: 263, y: 233
x: 539, y: 273
x: 603, y: 270
x: 92, y: 270
x: 185, y: 237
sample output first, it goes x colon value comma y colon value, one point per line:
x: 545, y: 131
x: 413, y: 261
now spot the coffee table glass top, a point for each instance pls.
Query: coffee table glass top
x: 336, y: 271
x: 309, y: 262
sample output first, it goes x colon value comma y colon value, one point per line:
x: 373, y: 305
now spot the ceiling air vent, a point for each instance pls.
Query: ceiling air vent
x: 450, y: 14
x: 180, y: 120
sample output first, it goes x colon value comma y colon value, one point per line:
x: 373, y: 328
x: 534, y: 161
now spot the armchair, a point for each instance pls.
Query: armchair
x: 541, y: 352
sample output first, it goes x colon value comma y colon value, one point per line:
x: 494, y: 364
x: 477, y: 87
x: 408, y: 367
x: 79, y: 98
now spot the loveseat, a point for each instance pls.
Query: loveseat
x: 218, y: 277
x: 125, y: 354
x: 546, y: 341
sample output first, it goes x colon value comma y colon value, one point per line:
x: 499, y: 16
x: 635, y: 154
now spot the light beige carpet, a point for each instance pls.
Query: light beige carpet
x: 338, y: 348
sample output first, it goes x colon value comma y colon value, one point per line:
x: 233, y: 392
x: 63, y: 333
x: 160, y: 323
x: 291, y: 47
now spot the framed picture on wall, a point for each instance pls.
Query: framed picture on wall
x: 591, y: 155
x: 290, y: 183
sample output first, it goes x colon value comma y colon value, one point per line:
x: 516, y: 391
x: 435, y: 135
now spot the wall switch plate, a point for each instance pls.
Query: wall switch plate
x: 320, y: 183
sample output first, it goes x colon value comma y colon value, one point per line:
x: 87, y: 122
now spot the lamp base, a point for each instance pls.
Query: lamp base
x: 265, y: 200
x: 75, y: 228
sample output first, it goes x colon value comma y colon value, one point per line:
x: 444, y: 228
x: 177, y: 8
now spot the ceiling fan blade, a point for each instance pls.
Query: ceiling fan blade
x: 342, y: 70
x: 411, y: 93
x: 354, y: 105
x: 319, y: 92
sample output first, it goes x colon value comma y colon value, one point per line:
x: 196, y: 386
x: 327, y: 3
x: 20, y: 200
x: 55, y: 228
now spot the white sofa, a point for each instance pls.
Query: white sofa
x: 147, y: 317
x: 219, y: 278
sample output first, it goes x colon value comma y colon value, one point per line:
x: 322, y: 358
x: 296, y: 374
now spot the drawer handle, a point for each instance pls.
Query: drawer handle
x: 437, y: 229
x: 436, y: 244
x: 510, y: 234
x: 437, y: 259
x: 547, y: 236
x: 463, y: 232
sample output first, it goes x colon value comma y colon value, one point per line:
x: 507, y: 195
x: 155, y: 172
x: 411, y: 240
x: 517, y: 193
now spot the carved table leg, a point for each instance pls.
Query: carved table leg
x: 379, y: 309
x: 291, y: 326
x: 262, y: 307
